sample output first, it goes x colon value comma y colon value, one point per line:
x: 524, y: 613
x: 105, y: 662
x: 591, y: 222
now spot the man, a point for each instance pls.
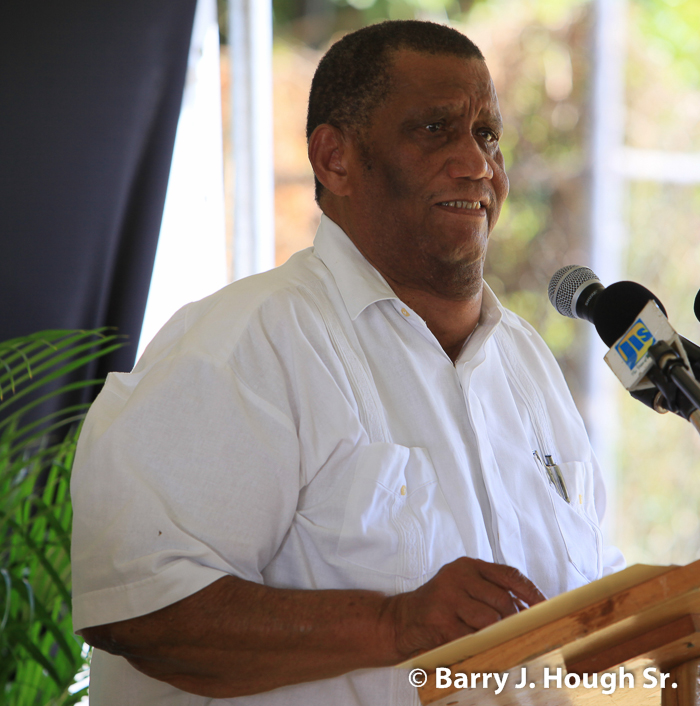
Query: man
x: 320, y: 471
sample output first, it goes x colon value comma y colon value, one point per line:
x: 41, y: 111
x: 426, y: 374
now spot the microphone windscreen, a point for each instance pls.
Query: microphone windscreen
x: 618, y: 306
x: 697, y: 306
x: 565, y: 283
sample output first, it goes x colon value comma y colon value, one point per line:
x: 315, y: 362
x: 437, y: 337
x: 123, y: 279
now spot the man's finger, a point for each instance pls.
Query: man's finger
x: 490, y: 595
x: 520, y: 605
x: 477, y: 615
x: 513, y: 580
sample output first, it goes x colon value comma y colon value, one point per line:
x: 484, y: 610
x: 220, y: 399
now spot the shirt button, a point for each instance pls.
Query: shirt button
x: 405, y: 312
x: 403, y: 490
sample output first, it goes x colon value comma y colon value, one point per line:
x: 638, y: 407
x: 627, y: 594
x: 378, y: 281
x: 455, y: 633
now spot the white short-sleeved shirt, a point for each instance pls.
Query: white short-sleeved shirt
x: 303, y: 428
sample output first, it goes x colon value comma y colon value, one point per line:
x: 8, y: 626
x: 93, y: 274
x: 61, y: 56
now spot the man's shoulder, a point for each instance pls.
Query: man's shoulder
x: 527, y: 348
x: 213, y: 326
x: 523, y: 331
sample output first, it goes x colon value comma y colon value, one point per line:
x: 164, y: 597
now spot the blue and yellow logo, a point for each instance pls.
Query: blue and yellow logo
x: 637, y: 341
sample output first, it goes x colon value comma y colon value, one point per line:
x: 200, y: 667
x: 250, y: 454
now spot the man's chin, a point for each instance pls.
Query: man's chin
x: 460, y: 279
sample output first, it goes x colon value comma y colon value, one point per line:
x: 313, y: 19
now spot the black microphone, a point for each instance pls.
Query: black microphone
x: 575, y: 291
x: 697, y: 306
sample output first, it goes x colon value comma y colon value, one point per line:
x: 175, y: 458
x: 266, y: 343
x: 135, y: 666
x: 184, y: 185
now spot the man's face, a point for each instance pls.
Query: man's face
x: 429, y: 180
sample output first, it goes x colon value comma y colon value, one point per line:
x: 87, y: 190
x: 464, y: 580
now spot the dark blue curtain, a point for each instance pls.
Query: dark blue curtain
x: 90, y: 94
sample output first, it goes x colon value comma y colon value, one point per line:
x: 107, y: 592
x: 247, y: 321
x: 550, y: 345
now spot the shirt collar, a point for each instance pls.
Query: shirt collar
x: 360, y: 284
x: 491, y: 316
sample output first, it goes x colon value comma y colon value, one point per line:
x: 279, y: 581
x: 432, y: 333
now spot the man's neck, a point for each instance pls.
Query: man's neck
x: 450, y: 321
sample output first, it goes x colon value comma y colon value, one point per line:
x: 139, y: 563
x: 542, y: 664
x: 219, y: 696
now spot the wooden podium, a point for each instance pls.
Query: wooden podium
x: 643, y: 618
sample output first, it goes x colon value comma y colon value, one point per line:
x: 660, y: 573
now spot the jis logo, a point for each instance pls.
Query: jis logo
x: 637, y: 341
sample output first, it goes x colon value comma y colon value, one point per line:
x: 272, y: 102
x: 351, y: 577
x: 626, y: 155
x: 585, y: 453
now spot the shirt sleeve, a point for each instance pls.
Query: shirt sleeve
x: 183, y: 475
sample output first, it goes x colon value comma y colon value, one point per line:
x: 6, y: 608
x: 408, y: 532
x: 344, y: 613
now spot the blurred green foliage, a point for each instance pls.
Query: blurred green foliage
x: 670, y: 31
x: 663, y: 75
x: 39, y: 654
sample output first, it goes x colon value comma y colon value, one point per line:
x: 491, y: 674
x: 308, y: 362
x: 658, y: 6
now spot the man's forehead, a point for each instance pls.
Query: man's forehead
x: 434, y: 81
x: 441, y: 70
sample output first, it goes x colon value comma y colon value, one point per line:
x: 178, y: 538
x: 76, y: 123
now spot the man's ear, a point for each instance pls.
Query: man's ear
x: 329, y: 152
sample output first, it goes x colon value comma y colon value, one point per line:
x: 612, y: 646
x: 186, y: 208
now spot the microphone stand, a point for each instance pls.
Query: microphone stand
x: 670, y: 375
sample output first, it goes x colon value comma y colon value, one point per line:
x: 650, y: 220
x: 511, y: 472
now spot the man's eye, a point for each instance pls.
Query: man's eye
x: 434, y: 127
x: 489, y: 135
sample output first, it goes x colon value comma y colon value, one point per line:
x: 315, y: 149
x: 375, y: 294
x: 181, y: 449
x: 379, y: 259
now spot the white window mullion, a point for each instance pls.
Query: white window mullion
x: 608, y: 233
x: 250, y: 42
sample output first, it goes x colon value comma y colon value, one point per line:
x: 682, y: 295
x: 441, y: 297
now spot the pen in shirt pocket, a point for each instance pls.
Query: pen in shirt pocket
x: 554, y: 474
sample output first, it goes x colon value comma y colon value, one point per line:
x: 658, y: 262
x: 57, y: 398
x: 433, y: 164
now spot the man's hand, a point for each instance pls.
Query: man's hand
x: 463, y: 597
x: 221, y: 641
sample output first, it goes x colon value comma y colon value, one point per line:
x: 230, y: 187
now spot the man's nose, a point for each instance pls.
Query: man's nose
x: 468, y: 160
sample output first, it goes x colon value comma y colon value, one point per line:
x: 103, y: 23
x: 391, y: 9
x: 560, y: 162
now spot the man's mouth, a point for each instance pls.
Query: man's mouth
x: 462, y: 204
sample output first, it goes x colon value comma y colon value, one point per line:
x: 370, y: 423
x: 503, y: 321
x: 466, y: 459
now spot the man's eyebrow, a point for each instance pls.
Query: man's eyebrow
x: 433, y: 111
x: 491, y: 119
x: 495, y: 121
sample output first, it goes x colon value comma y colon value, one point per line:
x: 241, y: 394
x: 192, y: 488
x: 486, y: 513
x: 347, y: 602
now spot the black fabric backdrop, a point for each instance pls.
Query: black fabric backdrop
x: 90, y: 94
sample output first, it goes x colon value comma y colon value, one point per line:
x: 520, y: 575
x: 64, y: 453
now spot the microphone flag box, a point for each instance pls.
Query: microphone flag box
x: 629, y: 356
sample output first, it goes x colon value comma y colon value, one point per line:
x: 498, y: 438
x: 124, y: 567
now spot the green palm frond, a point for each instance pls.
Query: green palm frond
x: 39, y: 654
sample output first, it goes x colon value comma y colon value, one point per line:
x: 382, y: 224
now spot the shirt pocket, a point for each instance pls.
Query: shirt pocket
x: 396, y: 519
x: 577, y: 519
